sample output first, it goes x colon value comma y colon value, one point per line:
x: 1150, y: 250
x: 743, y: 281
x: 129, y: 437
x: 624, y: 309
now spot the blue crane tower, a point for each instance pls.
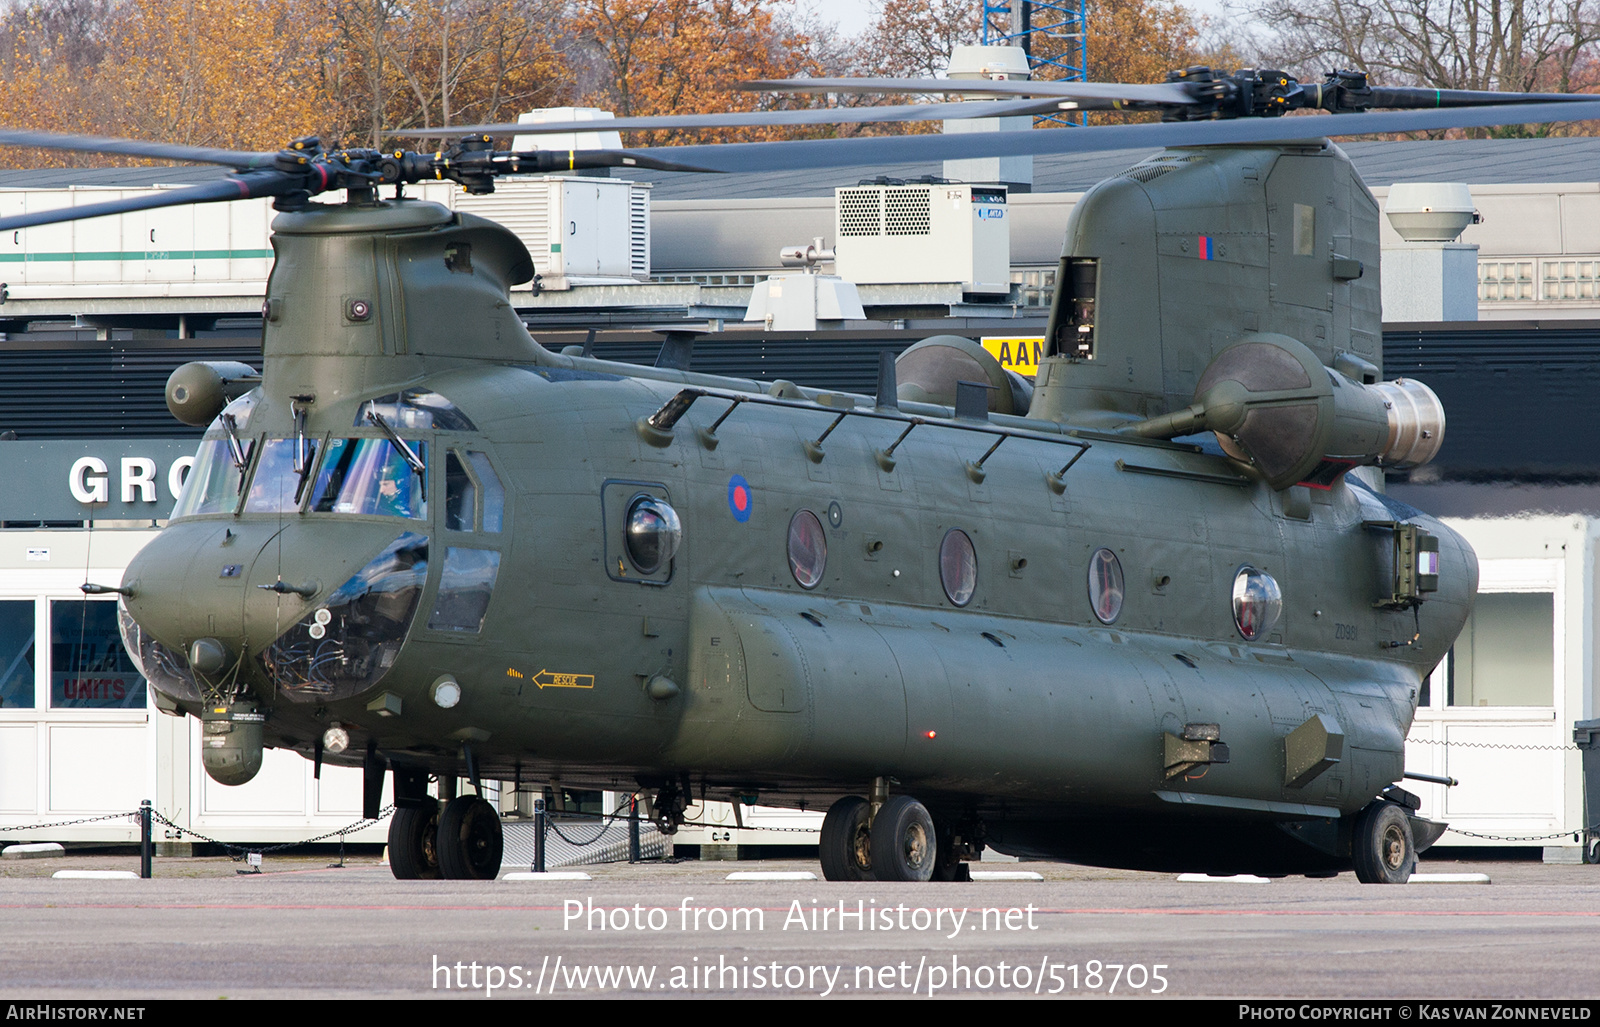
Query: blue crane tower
x: 1053, y: 33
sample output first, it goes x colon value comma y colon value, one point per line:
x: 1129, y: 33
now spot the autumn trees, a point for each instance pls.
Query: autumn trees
x: 253, y: 74
x: 1540, y: 45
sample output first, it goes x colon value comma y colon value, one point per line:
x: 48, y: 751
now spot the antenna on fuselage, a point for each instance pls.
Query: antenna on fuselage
x: 888, y: 394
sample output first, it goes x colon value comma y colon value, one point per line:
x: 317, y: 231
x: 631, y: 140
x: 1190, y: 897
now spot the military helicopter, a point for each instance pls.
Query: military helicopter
x: 1144, y: 611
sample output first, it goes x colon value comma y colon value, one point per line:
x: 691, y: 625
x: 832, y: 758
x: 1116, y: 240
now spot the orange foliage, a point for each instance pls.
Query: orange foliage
x: 643, y: 57
x: 239, y: 74
x: 254, y: 74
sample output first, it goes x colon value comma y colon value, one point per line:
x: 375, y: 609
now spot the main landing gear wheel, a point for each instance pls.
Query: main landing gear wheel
x: 904, y: 846
x: 846, y: 843
x: 1381, y: 847
x: 413, y: 837
x: 470, y: 840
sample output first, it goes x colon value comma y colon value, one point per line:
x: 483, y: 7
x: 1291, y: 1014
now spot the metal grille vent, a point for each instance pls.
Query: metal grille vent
x: 861, y: 212
x: 1151, y: 169
x: 114, y: 392
x: 906, y: 212
x: 639, y: 214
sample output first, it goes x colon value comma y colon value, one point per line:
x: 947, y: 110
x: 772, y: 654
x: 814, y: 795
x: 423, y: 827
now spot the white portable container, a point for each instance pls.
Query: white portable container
x: 920, y: 233
x: 580, y: 231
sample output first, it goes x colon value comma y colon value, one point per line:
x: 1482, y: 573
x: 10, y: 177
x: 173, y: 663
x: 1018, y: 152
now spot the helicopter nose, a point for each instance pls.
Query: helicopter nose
x: 190, y: 581
x: 204, y: 594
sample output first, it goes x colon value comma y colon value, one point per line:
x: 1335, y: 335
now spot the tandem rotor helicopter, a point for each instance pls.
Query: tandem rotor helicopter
x: 1137, y: 613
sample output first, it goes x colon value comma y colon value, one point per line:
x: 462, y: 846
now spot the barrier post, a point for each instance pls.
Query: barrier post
x: 538, y: 835
x: 633, y: 829
x: 146, y: 847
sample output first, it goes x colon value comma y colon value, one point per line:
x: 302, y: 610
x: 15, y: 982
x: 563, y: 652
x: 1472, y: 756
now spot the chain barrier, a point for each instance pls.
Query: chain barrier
x: 245, y: 850
x: 69, y: 823
x: 1491, y: 745
x: 240, y: 852
x: 605, y: 825
x: 684, y: 823
x: 1577, y: 835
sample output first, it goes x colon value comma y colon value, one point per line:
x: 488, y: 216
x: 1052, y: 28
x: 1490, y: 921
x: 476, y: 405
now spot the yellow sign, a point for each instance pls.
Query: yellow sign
x: 1019, y: 353
x: 552, y: 679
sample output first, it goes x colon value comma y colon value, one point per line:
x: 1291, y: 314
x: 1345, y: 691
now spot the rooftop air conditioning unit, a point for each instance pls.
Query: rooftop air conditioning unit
x: 917, y: 233
x: 580, y: 231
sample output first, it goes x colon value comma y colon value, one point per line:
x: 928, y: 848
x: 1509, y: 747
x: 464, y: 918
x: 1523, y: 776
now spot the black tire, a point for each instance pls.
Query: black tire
x: 470, y: 840
x: 845, y: 847
x: 904, y: 844
x: 1381, y: 847
x: 413, y: 842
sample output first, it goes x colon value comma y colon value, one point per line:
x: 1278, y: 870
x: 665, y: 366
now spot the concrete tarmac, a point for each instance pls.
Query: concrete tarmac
x: 303, y: 930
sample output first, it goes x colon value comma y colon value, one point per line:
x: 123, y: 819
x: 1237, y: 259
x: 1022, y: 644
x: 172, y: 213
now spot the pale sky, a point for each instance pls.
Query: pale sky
x: 854, y: 15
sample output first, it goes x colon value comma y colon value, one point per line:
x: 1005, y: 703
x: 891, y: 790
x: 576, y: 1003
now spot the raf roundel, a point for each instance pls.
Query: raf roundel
x: 739, y: 498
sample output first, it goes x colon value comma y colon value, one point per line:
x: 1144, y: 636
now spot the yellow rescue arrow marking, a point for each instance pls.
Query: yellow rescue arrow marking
x: 553, y: 679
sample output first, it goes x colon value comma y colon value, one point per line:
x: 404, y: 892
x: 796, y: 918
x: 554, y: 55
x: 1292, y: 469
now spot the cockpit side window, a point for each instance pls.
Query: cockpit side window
x: 460, y: 494
x: 216, y: 479
x: 474, y: 497
x: 494, y: 496
x: 464, y: 589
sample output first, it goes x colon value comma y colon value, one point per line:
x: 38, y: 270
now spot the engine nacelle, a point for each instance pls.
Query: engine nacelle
x: 1274, y: 406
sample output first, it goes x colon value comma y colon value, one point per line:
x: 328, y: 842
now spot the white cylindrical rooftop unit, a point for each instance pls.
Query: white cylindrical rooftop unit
x: 996, y: 63
x: 1430, y: 211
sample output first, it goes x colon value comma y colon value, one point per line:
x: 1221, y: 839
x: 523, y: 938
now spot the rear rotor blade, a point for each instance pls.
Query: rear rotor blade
x: 135, y: 148
x: 1161, y: 93
x: 823, y: 153
x: 234, y: 187
x: 749, y: 119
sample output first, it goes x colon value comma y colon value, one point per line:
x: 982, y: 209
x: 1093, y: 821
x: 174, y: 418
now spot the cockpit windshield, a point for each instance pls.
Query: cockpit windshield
x: 279, y: 481
x: 370, y: 476
x: 213, y: 482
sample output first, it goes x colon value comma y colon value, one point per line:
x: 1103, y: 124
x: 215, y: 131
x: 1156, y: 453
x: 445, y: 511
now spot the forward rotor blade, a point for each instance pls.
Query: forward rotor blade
x: 823, y: 153
x: 1161, y: 93
x: 1415, y: 98
x: 748, y: 119
x: 541, y: 161
x: 136, y: 148
x: 234, y: 187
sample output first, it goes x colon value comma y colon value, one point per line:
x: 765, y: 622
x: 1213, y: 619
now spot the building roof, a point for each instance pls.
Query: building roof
x: 1473, y: 161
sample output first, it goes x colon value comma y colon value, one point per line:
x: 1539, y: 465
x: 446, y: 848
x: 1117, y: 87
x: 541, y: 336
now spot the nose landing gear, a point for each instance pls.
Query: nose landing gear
x: 470, y: 840
x: 461, y: 842
x: 413, y: 842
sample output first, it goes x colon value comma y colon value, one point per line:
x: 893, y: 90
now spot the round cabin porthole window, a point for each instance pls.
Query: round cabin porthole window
x: 808, y: 549
x: 652, y: 533
x: 958, y: 567
x: 1105, y: 585
x: 1257, y: 602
